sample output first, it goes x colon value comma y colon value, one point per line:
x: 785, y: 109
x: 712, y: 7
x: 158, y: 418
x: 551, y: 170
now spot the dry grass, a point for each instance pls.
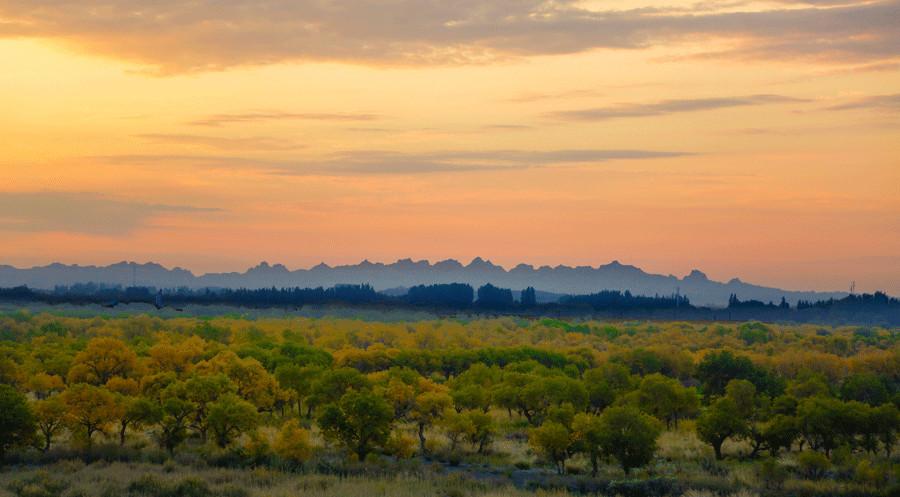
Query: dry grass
x: 75, y: 479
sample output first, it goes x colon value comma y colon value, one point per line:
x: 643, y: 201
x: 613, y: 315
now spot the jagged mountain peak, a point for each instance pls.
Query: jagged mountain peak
x: 447, y: 264
x: 696, y: 275
x: 408, y: 272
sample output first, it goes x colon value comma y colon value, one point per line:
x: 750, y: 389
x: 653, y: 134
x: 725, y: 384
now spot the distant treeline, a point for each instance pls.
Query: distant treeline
x: 864, y: 308
x: 452, y: 295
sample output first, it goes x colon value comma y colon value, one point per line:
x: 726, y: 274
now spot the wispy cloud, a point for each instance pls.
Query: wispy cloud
x: 176, y: 36
x: 876, y: 102
x: 252, y: 117
x: 79, y: 212
x: 664, y: 107
x: 371, y: 162
x: 507, y: 127
x: 220, y: 142
x: 383, y: 162
x: 536, y: 97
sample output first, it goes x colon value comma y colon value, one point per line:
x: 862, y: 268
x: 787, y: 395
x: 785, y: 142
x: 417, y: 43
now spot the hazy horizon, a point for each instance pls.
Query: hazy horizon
x: 463, y: 261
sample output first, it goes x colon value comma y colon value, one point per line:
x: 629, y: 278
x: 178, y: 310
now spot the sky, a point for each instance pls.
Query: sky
x: 748, y: 139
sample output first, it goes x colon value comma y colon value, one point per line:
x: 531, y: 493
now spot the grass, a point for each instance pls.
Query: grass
x: 75, y: 479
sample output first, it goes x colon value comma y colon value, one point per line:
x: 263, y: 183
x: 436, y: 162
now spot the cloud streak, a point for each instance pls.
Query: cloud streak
x: 254, y: 117
x: 375, y: 162
x: 219, y: 142
x: 665, y: 107
x: 176, y: 36
x: 76, y: 212
x: 876, y: 102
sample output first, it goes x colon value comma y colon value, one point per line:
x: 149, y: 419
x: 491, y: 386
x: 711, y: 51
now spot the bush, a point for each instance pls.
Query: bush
x: 38, y: 485
x: 400, y: 446
x: 772, y: 474
x: 151, y: 486
x: 812, y: 464
x: 871, y: 474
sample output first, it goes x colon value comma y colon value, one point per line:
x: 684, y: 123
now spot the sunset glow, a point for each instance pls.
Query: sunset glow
x: 758, y: 140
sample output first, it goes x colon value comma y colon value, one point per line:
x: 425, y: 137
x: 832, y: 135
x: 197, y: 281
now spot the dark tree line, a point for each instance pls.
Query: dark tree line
x: 877, y: 308
x: 612, y: 299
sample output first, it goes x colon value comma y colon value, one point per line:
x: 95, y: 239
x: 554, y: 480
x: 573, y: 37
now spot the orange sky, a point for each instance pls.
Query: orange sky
x: 758, y: 140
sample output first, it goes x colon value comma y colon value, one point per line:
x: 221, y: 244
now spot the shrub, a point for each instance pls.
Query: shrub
x: 38, y: 485
x: 772, y: 474
x: 813, y: 464
x: 292, y: 444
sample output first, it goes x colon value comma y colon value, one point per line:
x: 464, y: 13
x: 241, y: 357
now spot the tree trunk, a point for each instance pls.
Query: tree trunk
x: 717, y: 447
x: 422, y: 438
x: 122, y: 430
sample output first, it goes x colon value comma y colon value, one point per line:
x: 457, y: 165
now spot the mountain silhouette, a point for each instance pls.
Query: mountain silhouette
x: 406, y: 273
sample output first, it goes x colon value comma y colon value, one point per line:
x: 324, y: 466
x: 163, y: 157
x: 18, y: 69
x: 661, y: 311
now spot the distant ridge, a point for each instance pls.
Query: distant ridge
x: 406, y: 273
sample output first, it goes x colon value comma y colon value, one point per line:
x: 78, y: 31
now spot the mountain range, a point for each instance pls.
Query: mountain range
x: 396, y: 277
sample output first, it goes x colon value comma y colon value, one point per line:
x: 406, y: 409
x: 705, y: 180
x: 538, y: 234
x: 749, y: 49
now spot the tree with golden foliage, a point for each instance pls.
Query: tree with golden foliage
x: 103, y: 359
x: 90, y: 409
x: 42, y: 385
x: 50, y: 416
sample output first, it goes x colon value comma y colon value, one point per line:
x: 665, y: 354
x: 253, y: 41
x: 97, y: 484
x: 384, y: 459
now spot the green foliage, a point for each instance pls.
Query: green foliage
x: 666, y: 399
x: 17, y: 423
x: 606, y: 383
x: 865, y: 387
x: 825, y: 422
x: 718, y: 368
x: 813, y: 464
x: 360, y: 421
x: 554, y: 442
x: 629, y: 436
x: 754, y: 332
x: 230, y: 416
x: 720, y: 421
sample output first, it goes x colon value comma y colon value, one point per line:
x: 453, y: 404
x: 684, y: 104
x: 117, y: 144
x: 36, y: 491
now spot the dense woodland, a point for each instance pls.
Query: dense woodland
x: 634, y: 408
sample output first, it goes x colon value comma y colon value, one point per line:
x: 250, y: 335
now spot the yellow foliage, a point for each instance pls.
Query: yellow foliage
x: 292, y: 443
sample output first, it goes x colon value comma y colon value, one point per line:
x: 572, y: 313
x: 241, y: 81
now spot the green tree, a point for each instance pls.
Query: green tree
x: 135, y: 412
x: 50, y: 415
x: 360, y: 421
x: 606, y: 383
x: 230, y: 416
x: 587, y: 432
x: 886, y: 422
x: 865, y: 387
x: 173, y: 423
x: 553, y: 441
x: 825, y: 422
x: 628, y: 435
x: 779, y: 432
x: 666, y: 399
x: 718, y: 368
x: 456, y: 426
x: 331, y: 385
x: 482, y: 430
x: 17, y: 424
x: 297, y: 380
x: 427, y: 410
x: 720, y: 421
x: 472, y: 389
x: 202, y: 391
